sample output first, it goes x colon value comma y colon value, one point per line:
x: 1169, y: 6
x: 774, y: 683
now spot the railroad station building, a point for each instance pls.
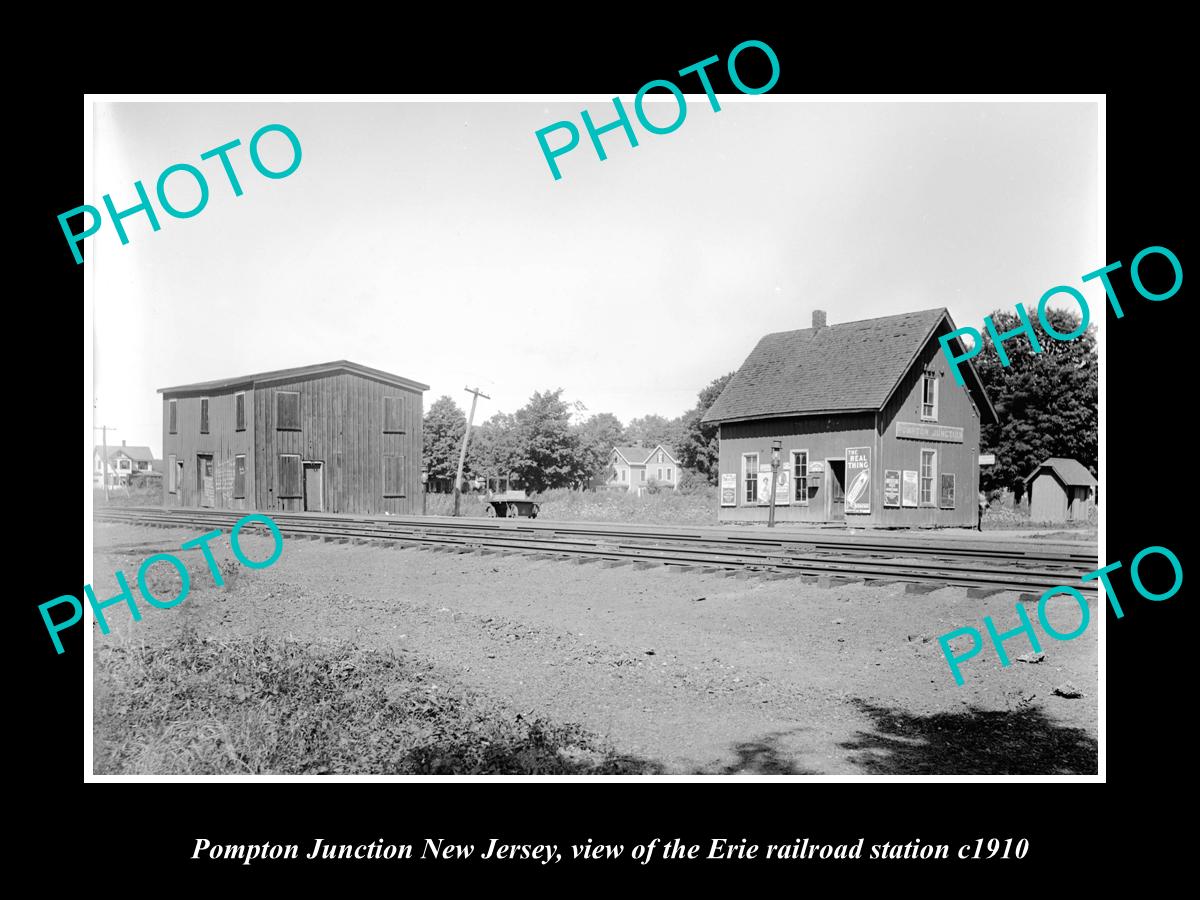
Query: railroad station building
x: 334, y: 437
x: 870, y: 426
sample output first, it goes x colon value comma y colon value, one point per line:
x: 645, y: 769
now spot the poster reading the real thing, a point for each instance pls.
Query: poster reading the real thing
x: 858, y: 480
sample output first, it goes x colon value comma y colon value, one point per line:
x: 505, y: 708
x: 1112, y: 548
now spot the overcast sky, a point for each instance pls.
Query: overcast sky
x: 430, y: 240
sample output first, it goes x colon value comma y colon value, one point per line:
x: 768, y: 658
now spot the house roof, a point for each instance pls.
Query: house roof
x: 296, y: 374
x: 847, y: 367
x: 637, y: 456
x: 1069, y: 471
x: 133, y: 451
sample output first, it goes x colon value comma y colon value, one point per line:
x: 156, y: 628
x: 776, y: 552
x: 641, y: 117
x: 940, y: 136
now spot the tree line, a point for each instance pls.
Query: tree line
x: 1046, y: 404
x: 540, y: 445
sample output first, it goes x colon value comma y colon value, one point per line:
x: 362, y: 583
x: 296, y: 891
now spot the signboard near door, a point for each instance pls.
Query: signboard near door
x: 858, y: 479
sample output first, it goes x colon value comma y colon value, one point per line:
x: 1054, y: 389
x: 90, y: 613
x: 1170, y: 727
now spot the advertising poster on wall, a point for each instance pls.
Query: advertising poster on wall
x: 729, y: 489
x: 910, y: 487
x: 764, y: 484
x: 946, y: 494
x: 858, y: 480
x: 891, y: 487
x: 783, y: 487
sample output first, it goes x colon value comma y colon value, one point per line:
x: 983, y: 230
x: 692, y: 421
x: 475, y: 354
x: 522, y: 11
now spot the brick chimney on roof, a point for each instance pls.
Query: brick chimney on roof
x: 818, y: 319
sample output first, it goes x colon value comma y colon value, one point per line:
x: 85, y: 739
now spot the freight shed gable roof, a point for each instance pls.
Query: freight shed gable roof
x: 848, y: 367
x: 297, y: 374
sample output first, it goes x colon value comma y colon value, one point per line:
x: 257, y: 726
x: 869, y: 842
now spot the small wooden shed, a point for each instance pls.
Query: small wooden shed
x: 1060, y: 490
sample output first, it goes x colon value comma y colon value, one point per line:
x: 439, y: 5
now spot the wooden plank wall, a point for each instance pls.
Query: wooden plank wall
x: 822, y: 436
x: 223, y: 441
x: 341, y: 425
x: 956, y: 408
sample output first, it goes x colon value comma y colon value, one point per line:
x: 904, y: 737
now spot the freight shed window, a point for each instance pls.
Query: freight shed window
x: 750, y: 476
x: 928, y: 473
x: 239, y: 476
x: 287, y: 411
x: 393, y: 415
x: 239, y: 411
x: 172, y: 484
x: 929, y: 396
x: 204, y: 415
x: 800, y: 475
x: 289, y: 476
x: 172, y: 415
x: 393, y: 476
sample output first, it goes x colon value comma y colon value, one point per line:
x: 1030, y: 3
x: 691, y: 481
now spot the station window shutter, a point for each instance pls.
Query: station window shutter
x: 393, y: 415
x: 172, y: 486
x: 287, y: 410
x: 173, y: 411
x: 239, y: 403
x: 204, y: 415
x: 239, y: 476
x: 289, y: 476
x: 393, y: 476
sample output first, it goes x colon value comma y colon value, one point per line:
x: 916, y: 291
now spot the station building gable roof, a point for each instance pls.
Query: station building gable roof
x: 847, y: 367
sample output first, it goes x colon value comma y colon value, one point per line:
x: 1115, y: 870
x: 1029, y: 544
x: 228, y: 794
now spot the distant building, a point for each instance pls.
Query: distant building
x: 1061, y: 490
x: 873, y: 429
x: 333, y: 437
x: 123, y: 462
x: 635, y: 467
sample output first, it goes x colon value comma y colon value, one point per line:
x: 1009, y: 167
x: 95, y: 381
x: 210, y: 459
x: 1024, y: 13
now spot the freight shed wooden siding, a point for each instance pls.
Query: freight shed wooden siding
x: 824, y: 437
x: 341, y: 426
x: 961, y: 459
x: 223, y: 442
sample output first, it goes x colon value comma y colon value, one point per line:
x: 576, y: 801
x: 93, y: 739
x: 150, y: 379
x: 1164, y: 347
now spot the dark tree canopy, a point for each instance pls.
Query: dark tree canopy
x: 698, y: 447
x: 545, y: 449
x: 652, y: 430
x: 597, y: 436
x: 443, y: 426
x: 1046, y: 402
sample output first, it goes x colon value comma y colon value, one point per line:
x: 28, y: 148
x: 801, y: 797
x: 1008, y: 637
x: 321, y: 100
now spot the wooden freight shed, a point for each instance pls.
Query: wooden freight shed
x: 335, y: 437
x: 871, y: 427
x: 1060, y: 490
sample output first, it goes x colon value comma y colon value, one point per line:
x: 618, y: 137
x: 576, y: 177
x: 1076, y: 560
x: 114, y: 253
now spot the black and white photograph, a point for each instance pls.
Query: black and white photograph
x: 504, y: 436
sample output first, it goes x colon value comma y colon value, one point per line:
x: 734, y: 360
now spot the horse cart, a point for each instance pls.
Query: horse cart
x: 505, y: 498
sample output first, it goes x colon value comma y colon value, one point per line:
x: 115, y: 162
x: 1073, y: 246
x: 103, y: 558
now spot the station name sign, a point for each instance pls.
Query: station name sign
x: 927, y: 432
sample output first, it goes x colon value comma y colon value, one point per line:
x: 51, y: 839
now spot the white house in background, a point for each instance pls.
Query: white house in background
x: 638, y: 466
x: 123, y: 461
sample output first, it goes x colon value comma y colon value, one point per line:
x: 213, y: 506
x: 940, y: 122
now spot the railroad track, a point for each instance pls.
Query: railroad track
x: 985, y: 567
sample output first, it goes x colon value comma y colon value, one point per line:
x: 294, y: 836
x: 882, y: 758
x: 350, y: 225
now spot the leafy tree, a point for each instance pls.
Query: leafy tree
x: 597, y: 436
x: 546, y: 449
x: 652, y: 430
x: 698, y: 447
x: 493, y: 449
x: 444, y: 425
x: 1046, y: 402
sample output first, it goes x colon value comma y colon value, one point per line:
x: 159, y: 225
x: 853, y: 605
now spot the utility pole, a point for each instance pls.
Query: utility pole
x: 462, y: 456
x: 103, y: 429
x: 776, y: 446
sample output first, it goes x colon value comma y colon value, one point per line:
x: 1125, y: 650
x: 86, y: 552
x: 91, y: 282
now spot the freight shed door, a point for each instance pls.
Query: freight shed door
x: 204, y: 479
x: 314, y: 494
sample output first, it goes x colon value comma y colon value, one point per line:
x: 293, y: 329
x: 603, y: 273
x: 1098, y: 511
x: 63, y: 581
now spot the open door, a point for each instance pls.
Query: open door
x: 314, y: 487
x: 204, y: 476
x: 836, y: 485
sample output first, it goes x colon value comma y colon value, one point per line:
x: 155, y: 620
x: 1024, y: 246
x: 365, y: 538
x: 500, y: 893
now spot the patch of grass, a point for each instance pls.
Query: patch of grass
x: 259, y: 705
x: 666, y: 507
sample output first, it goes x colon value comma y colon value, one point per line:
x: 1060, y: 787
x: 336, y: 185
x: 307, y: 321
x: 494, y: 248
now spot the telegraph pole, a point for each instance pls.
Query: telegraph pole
x: 104, y: 462
x: 462, y: 456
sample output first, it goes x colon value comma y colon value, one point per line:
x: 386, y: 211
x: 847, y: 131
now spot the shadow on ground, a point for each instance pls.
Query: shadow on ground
x: 971, y: 742
x: 763, y: 756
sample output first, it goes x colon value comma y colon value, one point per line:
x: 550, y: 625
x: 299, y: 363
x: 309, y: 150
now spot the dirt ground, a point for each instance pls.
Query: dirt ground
x: 697, y: 672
